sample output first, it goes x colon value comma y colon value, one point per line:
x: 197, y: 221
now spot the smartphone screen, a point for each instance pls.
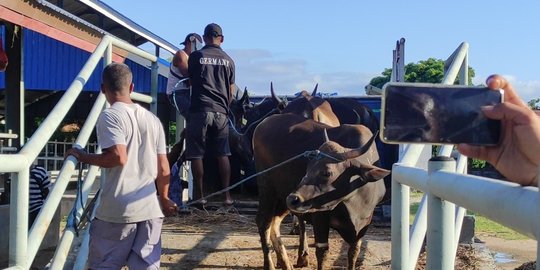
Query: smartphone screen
x: 438, y: 114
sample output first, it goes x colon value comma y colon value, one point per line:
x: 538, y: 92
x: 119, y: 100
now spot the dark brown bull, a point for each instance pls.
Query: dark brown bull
x: 277, y: 139
x: 344, y: 181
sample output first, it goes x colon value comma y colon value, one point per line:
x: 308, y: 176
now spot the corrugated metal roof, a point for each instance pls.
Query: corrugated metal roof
x: 102, y: 16
x: 52, y: 65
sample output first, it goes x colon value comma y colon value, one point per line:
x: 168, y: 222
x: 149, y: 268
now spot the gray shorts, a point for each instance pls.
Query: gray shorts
x: 114, y: 245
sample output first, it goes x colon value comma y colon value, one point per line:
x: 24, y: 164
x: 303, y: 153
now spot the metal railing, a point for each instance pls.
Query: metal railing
x: 448, y: 191
x: 22, y: 251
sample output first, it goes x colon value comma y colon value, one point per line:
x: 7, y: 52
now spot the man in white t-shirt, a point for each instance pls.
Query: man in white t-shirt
x: 127, y: 226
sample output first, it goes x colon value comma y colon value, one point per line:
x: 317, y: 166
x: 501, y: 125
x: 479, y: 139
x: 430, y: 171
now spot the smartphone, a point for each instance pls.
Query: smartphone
x: 438, y: 114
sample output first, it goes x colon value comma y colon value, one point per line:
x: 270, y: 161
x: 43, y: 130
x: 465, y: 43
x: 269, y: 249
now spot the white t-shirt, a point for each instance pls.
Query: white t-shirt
x: 129, y: 192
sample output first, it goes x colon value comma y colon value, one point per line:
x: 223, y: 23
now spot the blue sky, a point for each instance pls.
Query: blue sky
x: 343, y: 44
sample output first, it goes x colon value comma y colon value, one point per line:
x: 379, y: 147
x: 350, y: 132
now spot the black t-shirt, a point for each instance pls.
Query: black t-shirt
x: 211, y: 72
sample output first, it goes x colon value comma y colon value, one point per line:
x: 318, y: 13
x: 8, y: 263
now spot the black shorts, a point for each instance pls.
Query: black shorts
x: 207, y: 132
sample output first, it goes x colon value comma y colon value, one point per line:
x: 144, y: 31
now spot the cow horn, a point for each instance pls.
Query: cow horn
x: 361, y: 150
x: 315, y: 90
x: 326, y: 139
x: 275, y: 98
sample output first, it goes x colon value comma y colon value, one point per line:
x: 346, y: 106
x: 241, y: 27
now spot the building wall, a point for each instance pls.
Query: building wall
x: 52, y: 65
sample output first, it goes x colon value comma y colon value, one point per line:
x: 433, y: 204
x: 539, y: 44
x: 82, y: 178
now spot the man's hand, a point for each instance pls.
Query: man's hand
x: 76, y: 152
x: 517, y: 156
x: 168, y: 207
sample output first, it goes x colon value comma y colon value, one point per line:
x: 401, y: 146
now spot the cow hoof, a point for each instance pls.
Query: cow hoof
x: 302, y: 263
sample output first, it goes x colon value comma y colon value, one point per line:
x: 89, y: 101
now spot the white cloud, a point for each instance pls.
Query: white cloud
x: 255, y: 69
x: 527, y: 90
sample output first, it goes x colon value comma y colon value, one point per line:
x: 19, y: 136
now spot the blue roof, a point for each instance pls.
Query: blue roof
x: 51, y: 65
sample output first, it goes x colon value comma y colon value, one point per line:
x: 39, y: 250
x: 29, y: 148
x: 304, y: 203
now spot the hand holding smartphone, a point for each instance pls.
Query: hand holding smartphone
x: 438, y: 114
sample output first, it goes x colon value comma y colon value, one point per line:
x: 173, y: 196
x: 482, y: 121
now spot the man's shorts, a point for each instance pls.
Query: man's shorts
x: 114, y: 245
x: 207, y: 132
x: 181, y: 101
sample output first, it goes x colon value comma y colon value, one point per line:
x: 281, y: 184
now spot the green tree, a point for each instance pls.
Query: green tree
x: 428, y: 71
x: 534, y: 104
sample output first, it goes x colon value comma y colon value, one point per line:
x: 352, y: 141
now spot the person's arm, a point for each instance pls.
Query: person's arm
x: 162, y: 183
x: 113, y: 156
x: 180, y: 60
x: 517, y: 156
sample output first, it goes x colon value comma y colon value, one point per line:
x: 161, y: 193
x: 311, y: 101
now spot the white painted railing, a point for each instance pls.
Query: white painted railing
x: 22, y: 251
x: 446, y: 186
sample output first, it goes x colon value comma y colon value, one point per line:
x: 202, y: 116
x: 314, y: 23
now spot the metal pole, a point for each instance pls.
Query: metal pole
x: 440, y: 231
x: 18, y: 218
x: 53, y: 200
x: 62, y: 250
x: 456, y: 62
x: 154, y: 87
x: 418, y: 233
x: 400, y: 224
x: 22, y: 103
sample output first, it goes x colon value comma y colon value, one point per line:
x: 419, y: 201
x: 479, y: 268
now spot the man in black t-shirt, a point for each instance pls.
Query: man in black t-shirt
x: 211, y: 72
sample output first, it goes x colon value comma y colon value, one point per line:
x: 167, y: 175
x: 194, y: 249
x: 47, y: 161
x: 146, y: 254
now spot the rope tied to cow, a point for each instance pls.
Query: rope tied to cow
x: 310, y: 155
x: 233, y: 120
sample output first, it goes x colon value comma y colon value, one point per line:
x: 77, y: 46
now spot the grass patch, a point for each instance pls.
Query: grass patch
x: 483, y: 225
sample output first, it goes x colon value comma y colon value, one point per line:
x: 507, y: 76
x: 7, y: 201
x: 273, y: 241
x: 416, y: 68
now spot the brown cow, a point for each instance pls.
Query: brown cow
x: 343, y: 181
x: 277, y: 139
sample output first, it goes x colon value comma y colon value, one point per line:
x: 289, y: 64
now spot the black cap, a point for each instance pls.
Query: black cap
x: 191, y: 36
x: 213, y: 30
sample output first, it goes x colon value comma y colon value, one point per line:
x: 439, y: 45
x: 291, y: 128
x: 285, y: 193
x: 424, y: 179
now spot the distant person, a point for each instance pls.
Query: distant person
x: 127, y: 226
x: 39, y: 190
x: 177, y: 183
x: 517, y: 157
x: 178, y: 89
x: 212, y: 76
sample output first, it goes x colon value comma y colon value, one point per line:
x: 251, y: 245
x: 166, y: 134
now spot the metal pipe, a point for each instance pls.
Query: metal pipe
x: 411, y: 176
x: 400, y: 224
x: 53, y: 200
x: 18, y: 218
x: 411, y: 154
x: 456, y: 59
x: 142, y: 97
x: 154, y: 87
x: 13, y: 163
x: 418, y: 233
x: 440, y: 230
x: 51, y: 122
x: 514, y: 213
x: 62, y: 250
x: 460, y: 214
x: 132, y: 49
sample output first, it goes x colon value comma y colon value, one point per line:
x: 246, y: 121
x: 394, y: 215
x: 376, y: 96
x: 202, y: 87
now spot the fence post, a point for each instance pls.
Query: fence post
x: 440, y: 232
x: 400, y: 225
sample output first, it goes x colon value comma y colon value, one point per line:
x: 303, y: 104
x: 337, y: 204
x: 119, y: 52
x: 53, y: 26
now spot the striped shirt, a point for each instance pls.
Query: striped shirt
x: 39, y: 187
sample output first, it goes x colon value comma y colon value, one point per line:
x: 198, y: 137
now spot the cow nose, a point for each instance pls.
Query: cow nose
x: 293, y: 201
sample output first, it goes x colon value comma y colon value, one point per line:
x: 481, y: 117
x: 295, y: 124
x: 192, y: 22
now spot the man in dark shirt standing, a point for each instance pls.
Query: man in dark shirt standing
x: 211, y: 72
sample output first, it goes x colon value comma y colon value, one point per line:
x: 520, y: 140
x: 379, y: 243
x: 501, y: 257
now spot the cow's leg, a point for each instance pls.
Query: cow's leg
x: 352, y: 254
x: 263, y: 221
x: 321, y: 230
x: 303, y: 245
x: 279, y: 247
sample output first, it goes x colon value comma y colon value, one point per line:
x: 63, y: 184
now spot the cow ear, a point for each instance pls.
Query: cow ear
x: 376, y: 174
